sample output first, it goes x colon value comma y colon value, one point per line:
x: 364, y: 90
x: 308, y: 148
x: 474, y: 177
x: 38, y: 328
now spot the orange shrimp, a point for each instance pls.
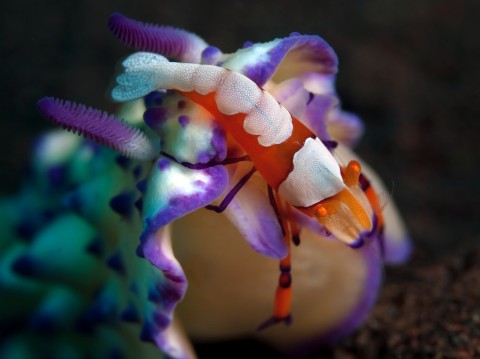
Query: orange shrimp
x: 293, y: 161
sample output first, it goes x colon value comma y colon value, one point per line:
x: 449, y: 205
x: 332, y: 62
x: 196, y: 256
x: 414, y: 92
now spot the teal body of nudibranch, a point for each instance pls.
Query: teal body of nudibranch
x: 87, y: 267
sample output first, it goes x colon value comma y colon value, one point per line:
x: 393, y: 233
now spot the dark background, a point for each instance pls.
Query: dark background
x: 409, y: 68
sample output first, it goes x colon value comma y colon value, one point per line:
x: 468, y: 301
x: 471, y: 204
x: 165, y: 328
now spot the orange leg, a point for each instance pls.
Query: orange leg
x: 283, y: 294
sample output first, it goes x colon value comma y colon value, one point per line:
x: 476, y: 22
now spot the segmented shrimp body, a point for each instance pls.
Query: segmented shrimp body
x: 297, y: 166
x: 292, y: 160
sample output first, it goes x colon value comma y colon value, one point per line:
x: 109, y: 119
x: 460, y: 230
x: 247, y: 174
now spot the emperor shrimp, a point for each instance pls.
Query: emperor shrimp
x: 298, y: 167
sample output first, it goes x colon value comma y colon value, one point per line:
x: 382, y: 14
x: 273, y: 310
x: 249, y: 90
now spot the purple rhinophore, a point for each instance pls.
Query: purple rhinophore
x: 168, y: 41
x: 183, y: 120
x: 98, y: 126
x: 155, y: 117
x: 247, y: 44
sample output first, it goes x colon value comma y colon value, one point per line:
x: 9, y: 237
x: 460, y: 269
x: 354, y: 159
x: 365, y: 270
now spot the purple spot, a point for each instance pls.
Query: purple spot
x: 137, y: 171
x: 26, y: 229
x: 140, y: 252
x: 210, y: 55
x: 42, y: 322
x: 123, y: 161
x: 218, y: 142
x: 161, y: 319
x: 123, y: 203
x: 57, y: 175
x: 163, y: 164
x: 154, y: 99
x: 96, y: 247
x: 154, y: 294
x: 295, y: 34
x: 199, y: 183
x: 116, y: 263
x: 25, y: 265
x: 142, y: 186
x: 101, y: 311
x: 204, y: 157
x: 130, y: 314
x: 73, y: 201
x: 155, y: 117
x: 147, y: 333
x: 181, y: 104
x: 183, y: 120
x: 247, y: 44
x: 139, y: 204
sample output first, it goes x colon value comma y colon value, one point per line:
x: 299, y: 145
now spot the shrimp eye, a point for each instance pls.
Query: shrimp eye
x: 320, y: 211
x: 352, y: 173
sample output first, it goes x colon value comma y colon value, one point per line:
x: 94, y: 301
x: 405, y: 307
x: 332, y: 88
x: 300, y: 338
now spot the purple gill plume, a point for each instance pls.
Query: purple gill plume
x: 100, y: 127
x: 176, y: 44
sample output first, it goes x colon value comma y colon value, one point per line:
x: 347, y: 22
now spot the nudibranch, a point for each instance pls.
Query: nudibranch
x: 217, y: 147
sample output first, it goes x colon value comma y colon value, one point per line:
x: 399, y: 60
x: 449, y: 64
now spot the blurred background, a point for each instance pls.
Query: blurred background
x: 409, y: 69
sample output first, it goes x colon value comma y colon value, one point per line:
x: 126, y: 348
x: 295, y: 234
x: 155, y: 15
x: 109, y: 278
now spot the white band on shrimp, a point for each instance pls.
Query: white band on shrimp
x: 235, y: 93
x: 315, y: 176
